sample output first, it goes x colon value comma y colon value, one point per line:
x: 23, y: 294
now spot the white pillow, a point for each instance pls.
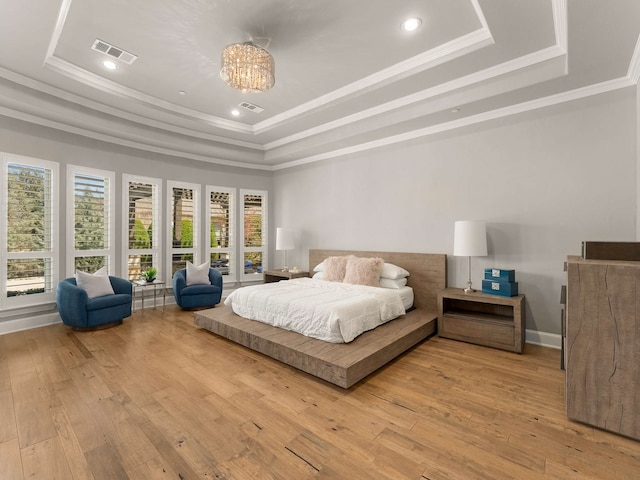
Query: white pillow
x: 389, y: 283
x: 198, y: 275
x: 389, y: 270
x: 95, y: 284
x: 319, y: 267
x: 318, y: 276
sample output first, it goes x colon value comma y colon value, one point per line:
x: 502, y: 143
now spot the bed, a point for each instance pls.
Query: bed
x: 344, y: 364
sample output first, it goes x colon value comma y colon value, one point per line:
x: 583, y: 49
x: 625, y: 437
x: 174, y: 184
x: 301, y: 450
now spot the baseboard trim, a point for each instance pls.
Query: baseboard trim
x: 552, y: 340
x: 27, y: 323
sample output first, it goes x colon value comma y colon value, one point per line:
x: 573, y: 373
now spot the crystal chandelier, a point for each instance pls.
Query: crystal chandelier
x: 247, y: 67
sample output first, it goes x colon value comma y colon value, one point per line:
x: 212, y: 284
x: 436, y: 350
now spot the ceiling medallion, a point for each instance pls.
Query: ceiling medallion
x: 247, y: 67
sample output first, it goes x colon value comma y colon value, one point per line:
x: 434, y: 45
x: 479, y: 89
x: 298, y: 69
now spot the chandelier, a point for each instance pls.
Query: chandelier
x: 247, y: 67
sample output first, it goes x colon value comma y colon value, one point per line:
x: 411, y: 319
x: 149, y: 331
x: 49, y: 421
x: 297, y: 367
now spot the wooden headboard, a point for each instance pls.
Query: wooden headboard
x: 428, y: 271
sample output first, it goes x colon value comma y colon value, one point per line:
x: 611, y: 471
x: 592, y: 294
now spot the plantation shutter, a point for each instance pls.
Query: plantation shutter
x: 92, y: 219
x: 254, y: 228
x: 142, y: 227
x: 29, y: 230
x: 220, y: 234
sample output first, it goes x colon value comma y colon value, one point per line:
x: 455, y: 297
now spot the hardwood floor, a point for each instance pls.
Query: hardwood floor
x: 158, y: 398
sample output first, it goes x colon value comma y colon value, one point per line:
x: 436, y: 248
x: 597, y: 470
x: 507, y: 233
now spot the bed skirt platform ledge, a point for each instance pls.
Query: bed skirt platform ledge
x: 341, y: 364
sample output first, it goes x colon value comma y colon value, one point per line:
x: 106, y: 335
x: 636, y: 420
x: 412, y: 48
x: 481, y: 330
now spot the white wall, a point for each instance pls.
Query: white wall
x: 543, y: 181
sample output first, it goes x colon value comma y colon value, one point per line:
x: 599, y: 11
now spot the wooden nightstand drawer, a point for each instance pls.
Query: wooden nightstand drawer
x: 477, y: 331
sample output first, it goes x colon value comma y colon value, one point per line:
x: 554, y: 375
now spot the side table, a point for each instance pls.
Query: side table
x: 142, y: 285
x: 277, y: 275
x: 490, y: 320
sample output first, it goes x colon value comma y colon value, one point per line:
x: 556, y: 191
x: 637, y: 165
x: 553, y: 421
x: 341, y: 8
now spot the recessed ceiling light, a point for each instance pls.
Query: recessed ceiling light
x: 455, y: 110
x: 182, y: 92
x: 411, y: 24
x: 235, y: 112
x: 108, y: 64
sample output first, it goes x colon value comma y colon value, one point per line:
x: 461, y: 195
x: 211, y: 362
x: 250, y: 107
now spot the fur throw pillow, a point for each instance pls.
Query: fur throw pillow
x: 363, y: 271
x: 335, y: 268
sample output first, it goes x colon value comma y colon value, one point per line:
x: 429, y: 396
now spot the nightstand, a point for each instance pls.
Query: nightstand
x: 483, y: 319
x: 277, y: 275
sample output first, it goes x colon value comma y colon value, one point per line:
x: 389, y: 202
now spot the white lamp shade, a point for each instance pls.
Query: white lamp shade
x: 284, y: 239
x: 470, y: 239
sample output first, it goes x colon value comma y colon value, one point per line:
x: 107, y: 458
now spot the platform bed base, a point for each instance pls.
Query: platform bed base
x: 344, y: 364
x: 339, y: 363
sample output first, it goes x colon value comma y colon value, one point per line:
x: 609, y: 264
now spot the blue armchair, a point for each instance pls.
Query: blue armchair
x: 82, y: 313
x: 197, y: 295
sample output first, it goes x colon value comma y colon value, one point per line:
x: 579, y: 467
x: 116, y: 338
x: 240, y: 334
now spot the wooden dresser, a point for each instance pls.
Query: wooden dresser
x: 602, y: 354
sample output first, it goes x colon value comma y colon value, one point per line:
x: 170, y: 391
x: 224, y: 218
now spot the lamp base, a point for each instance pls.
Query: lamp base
x: 285, y: 269
x: 468, y: 289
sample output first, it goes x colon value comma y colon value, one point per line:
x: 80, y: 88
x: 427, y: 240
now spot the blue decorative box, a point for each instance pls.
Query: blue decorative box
x: 499, y: 275
x: 506, y: 289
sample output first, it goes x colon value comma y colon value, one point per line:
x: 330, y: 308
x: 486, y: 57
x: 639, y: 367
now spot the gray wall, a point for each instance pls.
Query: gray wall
x: 543, y: 181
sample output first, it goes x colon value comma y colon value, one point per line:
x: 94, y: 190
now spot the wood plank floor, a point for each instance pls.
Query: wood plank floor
x: 158, y: 398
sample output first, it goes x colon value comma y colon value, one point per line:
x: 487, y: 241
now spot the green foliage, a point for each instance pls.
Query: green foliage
x: 89, y: 221
x: 30, y: 291
x: 140, y: 235
x: 186, y: 240
x: 150, y: 274
x: 26, y: 210
x: 150, y: 234
x: 214, y: 241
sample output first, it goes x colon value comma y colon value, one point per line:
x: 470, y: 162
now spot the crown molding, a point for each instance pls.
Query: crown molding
x: 633, y: 72
x: 138, y: 145
x: 485, y: 75
x: 106, y: 109
x: 441, y: 54
x: 98, y: 82
x: 536, y: 104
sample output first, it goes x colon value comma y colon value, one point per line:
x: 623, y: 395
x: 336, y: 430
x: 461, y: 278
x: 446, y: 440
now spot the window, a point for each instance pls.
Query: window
x: 28, y: 223
x: 220, y: 241
x: 254, y: 228
x: 141, y: 225
x: 90, y: 237
x: 183, y: 208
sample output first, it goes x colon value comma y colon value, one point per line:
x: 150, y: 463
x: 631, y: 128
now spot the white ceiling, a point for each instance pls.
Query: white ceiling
x: 347, y: 77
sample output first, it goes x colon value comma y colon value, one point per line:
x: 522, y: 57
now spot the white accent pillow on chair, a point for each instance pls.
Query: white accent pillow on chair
x: 198, y: 275
x: 95, y: 284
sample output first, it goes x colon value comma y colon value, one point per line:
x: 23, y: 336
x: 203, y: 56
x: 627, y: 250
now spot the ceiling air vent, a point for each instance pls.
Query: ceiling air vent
x: 115, y: 52
x: 251, y: 107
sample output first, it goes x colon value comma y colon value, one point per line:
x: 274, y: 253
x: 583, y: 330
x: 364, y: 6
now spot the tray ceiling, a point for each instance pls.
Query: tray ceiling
x: 348, y: 78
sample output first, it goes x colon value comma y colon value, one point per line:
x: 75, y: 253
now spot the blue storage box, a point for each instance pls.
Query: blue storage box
x: 506, y: 289
x: 497, y: 274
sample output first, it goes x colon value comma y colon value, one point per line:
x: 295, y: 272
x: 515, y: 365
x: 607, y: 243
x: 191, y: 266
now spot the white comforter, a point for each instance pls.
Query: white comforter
x: 330, y: 311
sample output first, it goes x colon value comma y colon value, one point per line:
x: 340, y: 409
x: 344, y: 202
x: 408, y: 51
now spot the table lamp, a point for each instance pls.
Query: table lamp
x: 470, y: 240
x: 284, y: 241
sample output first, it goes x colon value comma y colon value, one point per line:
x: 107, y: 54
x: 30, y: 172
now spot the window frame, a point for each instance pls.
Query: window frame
x: 171, y: 250
x: 157, y: 214
x: 72, y: 253
x: 264, y: 249
x: 53, y: 253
